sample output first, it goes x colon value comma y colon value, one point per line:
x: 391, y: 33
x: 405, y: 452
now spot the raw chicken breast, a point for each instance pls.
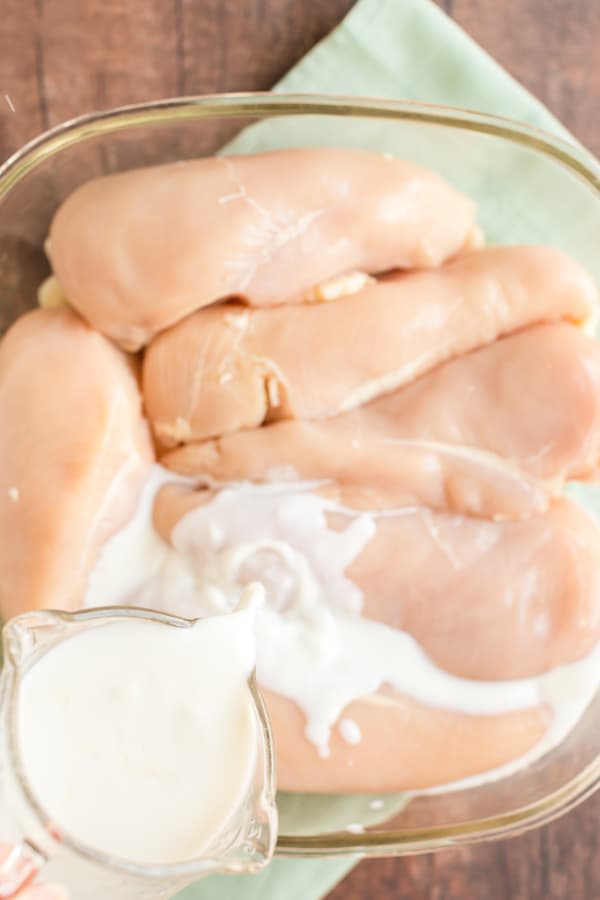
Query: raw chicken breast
x: 404, y: 745
x: 74, y: 451
x: 465, y: 437
x: 227, y: 367
x: 486, y: 600
x: 137, y: 251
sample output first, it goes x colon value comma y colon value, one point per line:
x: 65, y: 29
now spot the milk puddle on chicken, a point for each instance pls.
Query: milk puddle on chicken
x: 313, y: 645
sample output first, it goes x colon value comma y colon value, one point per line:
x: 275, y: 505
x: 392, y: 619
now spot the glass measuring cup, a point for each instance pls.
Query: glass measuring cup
x: 245, y: 845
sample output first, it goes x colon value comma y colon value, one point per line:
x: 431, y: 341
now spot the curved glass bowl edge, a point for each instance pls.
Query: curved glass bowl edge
x: 82, y: 128
x: 425, y: 840
x: 571, y: 156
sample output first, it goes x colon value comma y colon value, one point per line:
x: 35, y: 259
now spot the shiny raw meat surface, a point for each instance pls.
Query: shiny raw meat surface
x: 486, y: 600
x: 404, y: 745
x: 135, y: 252
x: 228, y: 368
x: 466, y: 437
x: 74, y: 451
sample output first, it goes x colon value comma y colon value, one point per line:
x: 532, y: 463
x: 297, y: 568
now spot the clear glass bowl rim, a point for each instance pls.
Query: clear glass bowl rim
x: 570, y: 156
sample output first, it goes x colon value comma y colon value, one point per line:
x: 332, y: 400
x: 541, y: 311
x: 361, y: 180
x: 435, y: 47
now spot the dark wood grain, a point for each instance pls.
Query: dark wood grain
x: 551, y: 46
x: 59, y: 58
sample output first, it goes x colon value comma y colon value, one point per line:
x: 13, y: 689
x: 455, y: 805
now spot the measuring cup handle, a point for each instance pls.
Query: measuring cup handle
x: 19, y: 864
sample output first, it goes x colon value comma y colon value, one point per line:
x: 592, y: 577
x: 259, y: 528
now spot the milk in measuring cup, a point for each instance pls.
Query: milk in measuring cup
x: 140, y: 740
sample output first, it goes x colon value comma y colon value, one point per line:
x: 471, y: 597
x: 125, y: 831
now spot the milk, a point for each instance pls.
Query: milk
x: 140, y: 739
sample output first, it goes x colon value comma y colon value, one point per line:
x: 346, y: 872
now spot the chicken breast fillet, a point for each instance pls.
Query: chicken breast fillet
x: 404, y: 745
x: 486, y: 600
x: 466, y: 437
x: 74, y: 451
x: 135, y: 252
x: 228, y: 368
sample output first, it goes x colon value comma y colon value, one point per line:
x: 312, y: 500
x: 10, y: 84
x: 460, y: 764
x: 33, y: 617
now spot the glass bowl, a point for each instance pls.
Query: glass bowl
x: 530, y: 187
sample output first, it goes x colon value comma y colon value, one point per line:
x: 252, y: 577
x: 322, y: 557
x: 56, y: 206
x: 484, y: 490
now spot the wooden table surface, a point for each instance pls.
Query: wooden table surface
x: 59, y: 58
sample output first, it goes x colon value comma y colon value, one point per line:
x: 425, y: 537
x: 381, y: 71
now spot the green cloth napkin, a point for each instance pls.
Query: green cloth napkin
x: 384, y: 48
x: 410, y: 49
